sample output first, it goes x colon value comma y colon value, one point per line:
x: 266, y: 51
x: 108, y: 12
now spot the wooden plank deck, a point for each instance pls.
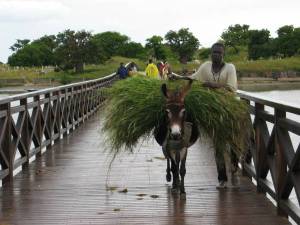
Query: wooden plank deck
x: 67, y: 185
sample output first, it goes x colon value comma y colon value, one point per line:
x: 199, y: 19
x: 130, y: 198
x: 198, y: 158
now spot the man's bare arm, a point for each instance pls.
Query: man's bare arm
x: 215, y: 85
x: 179, y: 77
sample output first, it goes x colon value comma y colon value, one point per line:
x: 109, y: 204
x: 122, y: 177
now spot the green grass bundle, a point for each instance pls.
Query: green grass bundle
x: 135, y: 106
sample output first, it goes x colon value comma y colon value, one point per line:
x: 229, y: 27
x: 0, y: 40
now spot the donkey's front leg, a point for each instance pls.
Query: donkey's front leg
x: 182, y: 174
x: 168, y: 176
x: 174, y: 169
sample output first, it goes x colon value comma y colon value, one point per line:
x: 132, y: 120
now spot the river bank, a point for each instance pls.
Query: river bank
x: 267, y: 84
x: 21, y: 89
x: 251, y: 84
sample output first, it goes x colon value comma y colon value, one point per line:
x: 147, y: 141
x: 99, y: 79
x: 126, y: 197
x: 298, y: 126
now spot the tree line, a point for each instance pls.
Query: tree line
x: 72, y: 49
x: 260, y: 44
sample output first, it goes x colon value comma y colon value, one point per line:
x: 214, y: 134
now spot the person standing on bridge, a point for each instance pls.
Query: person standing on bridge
x: 122, y: 71
x: 151, y: 70
x: 218, y: 74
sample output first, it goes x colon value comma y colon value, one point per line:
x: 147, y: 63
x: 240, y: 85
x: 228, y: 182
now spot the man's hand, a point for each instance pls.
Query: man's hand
x: 213, y: 85
x: 188, y: 78
x: 172, y: 76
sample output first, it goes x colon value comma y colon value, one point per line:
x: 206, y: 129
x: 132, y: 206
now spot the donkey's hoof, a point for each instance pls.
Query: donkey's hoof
x: 168, y: 177
x: 174, y: 190
x: 182, y: 195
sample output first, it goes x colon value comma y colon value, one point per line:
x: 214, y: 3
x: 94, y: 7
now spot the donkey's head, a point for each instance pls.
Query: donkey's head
x: 175, y: 109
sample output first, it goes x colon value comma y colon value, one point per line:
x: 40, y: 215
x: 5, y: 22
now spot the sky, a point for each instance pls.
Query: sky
x: 139, y: 19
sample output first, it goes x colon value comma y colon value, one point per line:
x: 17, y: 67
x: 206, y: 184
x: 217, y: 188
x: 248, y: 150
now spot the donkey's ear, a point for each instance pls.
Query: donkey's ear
x: 186, y: 88
x: 164, y: 90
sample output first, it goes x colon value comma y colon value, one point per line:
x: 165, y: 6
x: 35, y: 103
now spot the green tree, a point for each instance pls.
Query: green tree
x: 204, y: 53
x: 260, y: 45
x: 21, y: 43
x: 237, y: 35
x: 47, y: 45
x: 156, y: 47
x: 39, y: 52
x: 296, y: 34
x: 183, y: 43
x: 48, y: 40
x: 110, y: 43
x: 29, y: 55
x: 288, y: 40
x: 133, y: 50
x: 74, y: 49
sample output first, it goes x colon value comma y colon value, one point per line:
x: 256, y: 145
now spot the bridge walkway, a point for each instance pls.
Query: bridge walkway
x: 69, y: 184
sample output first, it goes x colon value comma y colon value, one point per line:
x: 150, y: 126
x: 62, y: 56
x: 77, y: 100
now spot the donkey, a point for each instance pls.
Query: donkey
x: 175, y: 134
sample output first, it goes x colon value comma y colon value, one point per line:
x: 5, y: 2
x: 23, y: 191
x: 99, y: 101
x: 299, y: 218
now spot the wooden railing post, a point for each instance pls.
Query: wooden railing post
x: 248, y: 154
x: 72, y: 110
x: 49, y: 120
x: 77, y: 102
x: 86, y: 101
x: 281, y: 164
x: 7, y: 143
x: 58, y: 114
x: 64, y: 111
x: 38, y: 126
x: 259, y: 147
x: 82, y: 102
x: 25, y: 131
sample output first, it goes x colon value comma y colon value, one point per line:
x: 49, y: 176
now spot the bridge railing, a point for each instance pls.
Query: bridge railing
x: 274, y: 161
x: 33, y: 121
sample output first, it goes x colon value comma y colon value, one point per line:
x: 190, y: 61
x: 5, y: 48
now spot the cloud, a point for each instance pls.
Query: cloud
x: 140, y: 19
x: 30, y: 11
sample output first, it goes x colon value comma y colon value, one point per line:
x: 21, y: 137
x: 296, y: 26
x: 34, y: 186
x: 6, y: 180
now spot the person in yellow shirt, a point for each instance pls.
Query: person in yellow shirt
x: 151, y: 70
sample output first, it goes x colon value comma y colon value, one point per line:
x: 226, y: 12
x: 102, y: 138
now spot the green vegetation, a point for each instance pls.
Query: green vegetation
x: 266, y: 65
x: 63, y: 77
x: 183, y: 43
x: 81, y: 55
x: 96, y: 71
x: 71, y: 50
x: 260, y: 66
x: 260, y: 44
x: 135, y: 106
x: 33, y: 75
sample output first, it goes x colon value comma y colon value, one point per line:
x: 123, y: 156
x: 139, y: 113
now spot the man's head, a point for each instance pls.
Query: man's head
x: 150, y: 61
x: 217, y: 53
x: 121, y: 64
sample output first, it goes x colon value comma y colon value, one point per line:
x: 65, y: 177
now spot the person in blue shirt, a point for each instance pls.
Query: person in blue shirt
x: 122, y: 71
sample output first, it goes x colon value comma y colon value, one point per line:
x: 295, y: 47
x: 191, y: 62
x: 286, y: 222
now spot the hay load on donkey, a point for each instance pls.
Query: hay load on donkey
x: 174, y: 112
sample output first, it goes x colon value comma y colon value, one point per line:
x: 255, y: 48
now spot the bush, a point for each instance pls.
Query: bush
x: 65, y: 79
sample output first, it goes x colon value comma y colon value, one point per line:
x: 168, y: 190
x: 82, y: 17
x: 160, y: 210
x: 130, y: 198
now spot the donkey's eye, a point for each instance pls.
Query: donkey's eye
x: 182, y: 112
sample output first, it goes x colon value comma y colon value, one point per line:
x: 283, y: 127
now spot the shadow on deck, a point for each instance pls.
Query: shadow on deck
x: 67, y: 185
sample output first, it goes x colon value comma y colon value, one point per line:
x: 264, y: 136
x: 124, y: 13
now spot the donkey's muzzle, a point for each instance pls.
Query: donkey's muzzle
x: 175, y: 136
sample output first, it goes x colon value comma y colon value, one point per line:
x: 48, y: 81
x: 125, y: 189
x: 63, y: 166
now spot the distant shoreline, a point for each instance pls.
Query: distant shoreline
x: 268, y: 84
x: 248, y: 84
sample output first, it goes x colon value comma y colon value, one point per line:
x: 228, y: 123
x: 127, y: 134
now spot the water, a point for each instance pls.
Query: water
x: 287, y: 96
x: 3, y: 96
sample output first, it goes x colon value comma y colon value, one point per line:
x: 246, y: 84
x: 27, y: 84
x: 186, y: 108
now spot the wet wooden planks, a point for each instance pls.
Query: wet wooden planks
x: 71, y: 184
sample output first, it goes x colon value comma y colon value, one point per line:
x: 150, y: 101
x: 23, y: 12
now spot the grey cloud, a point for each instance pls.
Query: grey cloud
x: 30, y: 11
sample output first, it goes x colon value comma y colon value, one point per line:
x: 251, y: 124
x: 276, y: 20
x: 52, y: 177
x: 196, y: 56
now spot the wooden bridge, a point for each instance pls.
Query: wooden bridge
x: 69, y: 181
